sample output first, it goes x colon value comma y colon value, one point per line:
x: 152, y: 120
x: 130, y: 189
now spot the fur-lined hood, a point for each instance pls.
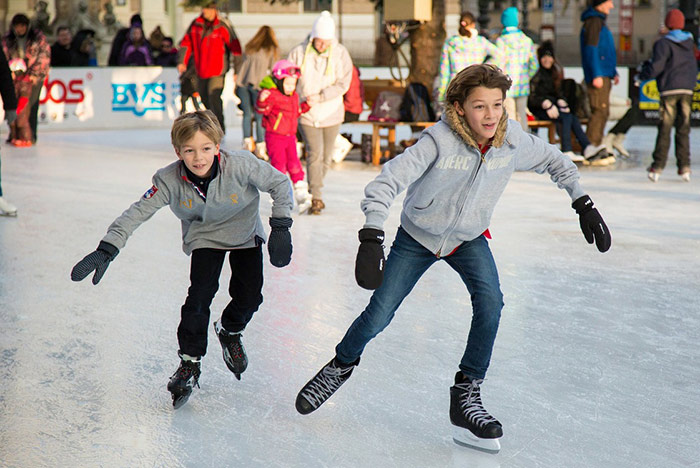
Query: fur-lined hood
x: 458, y: 125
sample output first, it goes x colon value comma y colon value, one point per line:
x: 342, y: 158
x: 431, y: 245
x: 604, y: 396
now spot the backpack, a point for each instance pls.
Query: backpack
x: 415, y: 106
x: 386, y: 107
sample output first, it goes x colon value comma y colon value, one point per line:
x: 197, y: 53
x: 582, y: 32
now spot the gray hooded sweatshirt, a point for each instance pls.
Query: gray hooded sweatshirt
x: 227, y: 218
x: 452, y: 191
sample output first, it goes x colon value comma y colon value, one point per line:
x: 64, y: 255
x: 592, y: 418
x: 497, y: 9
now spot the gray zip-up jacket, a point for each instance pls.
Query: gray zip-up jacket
x: 227, y: 218
x: 452, y: 191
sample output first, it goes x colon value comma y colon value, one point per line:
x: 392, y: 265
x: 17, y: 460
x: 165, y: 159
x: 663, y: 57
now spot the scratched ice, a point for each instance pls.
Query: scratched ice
x: 595, y: 364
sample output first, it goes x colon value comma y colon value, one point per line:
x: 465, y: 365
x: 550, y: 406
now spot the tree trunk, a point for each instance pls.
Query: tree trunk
x: 426, y: 44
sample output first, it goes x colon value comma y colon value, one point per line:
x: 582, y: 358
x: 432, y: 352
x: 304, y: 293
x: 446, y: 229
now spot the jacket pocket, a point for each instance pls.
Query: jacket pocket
x: 431, y: 217
x: 419, y: 208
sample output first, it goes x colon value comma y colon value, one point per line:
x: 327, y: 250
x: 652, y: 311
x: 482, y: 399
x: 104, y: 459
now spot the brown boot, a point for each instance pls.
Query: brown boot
x: 316, y: 206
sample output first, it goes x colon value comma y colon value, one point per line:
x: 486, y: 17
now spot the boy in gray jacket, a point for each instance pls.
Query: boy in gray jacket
x: 216, y: 195
x: 454, y: 175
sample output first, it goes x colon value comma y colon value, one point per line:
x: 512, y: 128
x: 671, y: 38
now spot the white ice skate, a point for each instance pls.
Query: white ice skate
x: 472, y: 425
x: 464, y: 437
x: 8, y: 209
x: 302, y: 196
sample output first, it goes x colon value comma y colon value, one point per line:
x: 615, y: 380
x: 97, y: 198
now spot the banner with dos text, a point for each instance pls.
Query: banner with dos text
x: 117, y: 97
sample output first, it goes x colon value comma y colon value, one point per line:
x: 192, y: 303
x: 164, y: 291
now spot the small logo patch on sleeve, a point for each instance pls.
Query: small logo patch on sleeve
x: 150, y: 192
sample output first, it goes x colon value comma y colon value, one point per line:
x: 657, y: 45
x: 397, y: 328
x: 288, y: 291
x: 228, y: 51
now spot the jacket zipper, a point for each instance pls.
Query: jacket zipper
x: 470, y: 184
x: 277, y: 122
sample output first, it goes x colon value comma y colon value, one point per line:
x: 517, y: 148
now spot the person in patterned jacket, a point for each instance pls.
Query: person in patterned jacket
x: 519, y: 62
x: 210, y: 39
x: 462, y: 50
x: 28, y: 44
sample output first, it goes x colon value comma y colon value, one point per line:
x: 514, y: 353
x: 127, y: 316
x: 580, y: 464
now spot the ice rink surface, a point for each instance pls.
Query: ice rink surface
x: 595, y: 364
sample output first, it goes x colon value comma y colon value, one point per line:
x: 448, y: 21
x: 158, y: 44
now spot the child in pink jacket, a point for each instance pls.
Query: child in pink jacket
x: 280, y: 108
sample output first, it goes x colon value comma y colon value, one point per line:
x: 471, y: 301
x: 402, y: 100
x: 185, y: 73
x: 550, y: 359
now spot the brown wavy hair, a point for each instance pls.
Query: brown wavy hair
x: 468, y: 18
x: 264, y: 39
x: 473, y: 76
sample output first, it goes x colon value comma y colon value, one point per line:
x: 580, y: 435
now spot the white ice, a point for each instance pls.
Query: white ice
x: 595, y: 364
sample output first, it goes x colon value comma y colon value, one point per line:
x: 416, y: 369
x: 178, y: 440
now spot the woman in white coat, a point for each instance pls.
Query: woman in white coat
x: 326, y: 72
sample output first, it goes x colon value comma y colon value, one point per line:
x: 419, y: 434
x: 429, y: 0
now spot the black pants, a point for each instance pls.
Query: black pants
x: 34, y: 112
x: 210, y: 90
x: 245, y: 290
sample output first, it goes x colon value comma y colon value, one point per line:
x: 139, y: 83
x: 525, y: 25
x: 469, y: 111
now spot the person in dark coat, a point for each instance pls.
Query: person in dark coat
x: 674, y: 66
x: 120, y: 39
x: 167, y: 55
x: 548, y: 102
x: 83, y: 53
x: 61, y: 49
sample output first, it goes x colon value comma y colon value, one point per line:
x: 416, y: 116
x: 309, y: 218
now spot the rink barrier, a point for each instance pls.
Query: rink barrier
x: 92, y: 98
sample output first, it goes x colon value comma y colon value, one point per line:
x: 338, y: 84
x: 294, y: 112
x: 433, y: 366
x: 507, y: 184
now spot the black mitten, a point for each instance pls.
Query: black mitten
x: 592, y: 223
x: 369, y: 265
x: 97, y: 261
x: 279, y: 245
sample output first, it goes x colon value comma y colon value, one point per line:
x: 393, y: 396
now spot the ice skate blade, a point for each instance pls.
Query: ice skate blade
x: 8, y: 214
x: 465, y: 438
x: 238, y: 375
x: 179, y: 401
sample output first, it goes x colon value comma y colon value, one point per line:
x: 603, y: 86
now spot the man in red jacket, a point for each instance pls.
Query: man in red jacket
x: 210, y: 40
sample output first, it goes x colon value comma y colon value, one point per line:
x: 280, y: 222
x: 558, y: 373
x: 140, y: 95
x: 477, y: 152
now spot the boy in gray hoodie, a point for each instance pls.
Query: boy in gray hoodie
x: 454, y: 175
x: 216, y: 195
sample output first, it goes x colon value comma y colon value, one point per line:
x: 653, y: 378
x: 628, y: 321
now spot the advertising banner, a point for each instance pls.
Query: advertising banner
x: 116, y: 97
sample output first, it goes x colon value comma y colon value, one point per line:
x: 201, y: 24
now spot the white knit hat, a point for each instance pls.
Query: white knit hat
x: 324, y: 27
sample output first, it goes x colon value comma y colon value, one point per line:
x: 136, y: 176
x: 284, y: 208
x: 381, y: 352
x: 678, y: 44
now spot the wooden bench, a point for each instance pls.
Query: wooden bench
x: 376, y: 86
x: 390, y: 136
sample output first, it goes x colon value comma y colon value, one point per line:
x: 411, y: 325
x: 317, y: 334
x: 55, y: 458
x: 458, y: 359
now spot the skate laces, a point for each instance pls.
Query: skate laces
x: 187, y: 371
x: 471, y: 405
x: 234, y: 345
x: 326, y: 383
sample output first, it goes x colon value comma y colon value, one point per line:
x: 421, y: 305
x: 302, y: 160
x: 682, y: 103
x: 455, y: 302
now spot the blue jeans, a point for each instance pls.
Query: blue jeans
x: 566, y: 123
x: 407, y: 262
x: 249, y: 96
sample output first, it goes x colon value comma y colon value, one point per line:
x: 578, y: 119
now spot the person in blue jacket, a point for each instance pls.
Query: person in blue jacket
x: 674, y: 66
x: 454, y: 175
x: 599, y: 60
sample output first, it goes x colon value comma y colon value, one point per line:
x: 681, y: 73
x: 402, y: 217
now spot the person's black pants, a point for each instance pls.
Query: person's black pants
x: 210, y: 90
x: 245, y: 289
x: 34, y: 109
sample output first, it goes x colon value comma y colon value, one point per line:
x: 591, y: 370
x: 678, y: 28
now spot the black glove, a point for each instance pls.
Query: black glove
x: 592, y: 223
x: 279, y: 245
x: 10, y: 116
x: 97, y: 261
x: 369, y: 265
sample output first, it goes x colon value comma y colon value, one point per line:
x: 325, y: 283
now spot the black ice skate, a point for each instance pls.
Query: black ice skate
x: 323, y: 385
x: 184, y: 379
x: 233, y: 350
x: 473, y: 425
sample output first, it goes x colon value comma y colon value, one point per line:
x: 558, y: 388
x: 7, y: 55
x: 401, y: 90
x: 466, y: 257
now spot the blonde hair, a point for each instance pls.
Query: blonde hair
x: 186, y: 125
